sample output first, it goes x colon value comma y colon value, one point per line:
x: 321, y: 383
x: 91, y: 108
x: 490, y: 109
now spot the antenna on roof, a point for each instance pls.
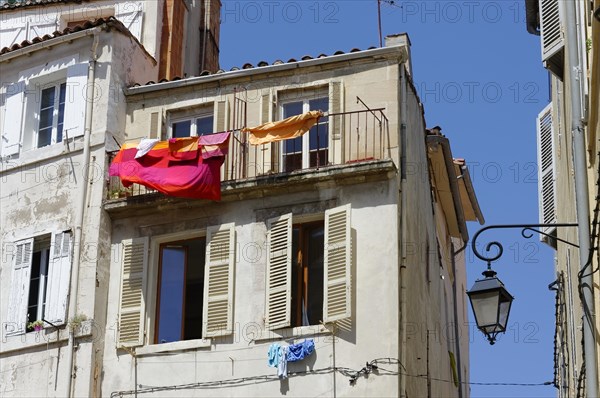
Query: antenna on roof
x: 379, y: 18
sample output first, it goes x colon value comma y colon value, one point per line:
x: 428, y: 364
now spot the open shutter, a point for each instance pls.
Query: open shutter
x: 16, y: 316
x: 76, y: 100
x: 552, y: 35
x: 218, y: 287
x: 131, y: 299
x: 131, y: 14
x: 12, y: 125
x: 337, y: 264
x: 59, y: 276
x: 546, y: 168
x: 266, y: 162
x: 279, y: 272
x: 336, y: 105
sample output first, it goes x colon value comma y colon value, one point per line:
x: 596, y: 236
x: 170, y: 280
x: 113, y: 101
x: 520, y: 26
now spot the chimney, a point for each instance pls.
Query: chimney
x: 171, y: 43
x: 210, y: 26
x: 401, y: 40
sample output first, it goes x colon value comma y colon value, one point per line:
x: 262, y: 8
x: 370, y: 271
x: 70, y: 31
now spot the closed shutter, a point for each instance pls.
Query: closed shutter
x: 546, y: 168
x: 131, y: 299
x: 16, y: 316
x: 59, y: 276
x: 221, y: 114
x: 552, y: 35
x: 337, y: 264
x: 279, y: 272
x: 218, y: 288
x: 266, y: 162
x: 131, y: 14
x: 76, y: 100
x: 155, y: 125
x: 336, y: 123
x: 12, y: 125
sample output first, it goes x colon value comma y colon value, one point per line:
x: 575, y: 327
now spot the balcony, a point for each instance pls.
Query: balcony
x: 337, y: 140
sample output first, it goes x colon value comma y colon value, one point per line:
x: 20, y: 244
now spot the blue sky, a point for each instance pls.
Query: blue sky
x: 480, y: 77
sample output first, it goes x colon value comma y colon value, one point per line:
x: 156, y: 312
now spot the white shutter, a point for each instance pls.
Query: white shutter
x: 131, y: 14
x: 265, y: 163
x: 552, y: 35
x: 59, y: 276
x: 337, y: 264
x: 279, y: 272
x: 336, y: 123
x: 76, y: 100
x: 218, y: 286
x: 131, y: 299
x: 16, y: 316
x: 546, y: 168
x: 10, y: 138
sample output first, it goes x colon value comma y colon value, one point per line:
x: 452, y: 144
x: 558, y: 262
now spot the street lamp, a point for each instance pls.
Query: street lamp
x: 489, y: 298
x: 491, y: 304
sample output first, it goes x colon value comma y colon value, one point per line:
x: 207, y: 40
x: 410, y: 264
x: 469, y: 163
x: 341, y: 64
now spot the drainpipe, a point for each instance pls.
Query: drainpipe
x: 581, y: 197
x: 403, y: 233
x: 457, y: 333
x: 81, y: 211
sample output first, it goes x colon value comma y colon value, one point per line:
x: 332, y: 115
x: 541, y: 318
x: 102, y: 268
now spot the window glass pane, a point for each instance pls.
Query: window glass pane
x: 292, y: 109
x: 315, y: 246
x: 204, y: 125
x: 182, y: 129
x: 194, y: 289
x: 48, y: 95
x: 170, y: 315
x: 61, y: 111
x: 319, y: 104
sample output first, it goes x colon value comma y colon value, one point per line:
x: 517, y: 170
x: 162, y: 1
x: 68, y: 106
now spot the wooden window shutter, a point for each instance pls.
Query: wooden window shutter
x: 219, y: 275
x: 266, y: 161
x: 10, y: 138
x: 76, y: 100
x: 336, y: 123
x: 16, y: 316
x: 155, y: 125
x: 131, y: 299
x: 337, y: 264
x: 221, y: 115
x: 552, y: 35
x: 546, y: 168
x: 59, y: 276
x: 279, y: 272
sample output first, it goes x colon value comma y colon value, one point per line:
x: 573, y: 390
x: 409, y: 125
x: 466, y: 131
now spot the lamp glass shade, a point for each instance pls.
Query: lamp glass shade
x: 491, y: 304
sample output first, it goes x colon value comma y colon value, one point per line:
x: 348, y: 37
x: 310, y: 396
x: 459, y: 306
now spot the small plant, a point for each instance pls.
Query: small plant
x: 588, y: 45
x: 36, y: 325
x: 76, y: 321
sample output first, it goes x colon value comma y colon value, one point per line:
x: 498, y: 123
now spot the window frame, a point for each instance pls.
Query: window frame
x: 305, y: 98
x: 58, y: 114
x: 204, y: 112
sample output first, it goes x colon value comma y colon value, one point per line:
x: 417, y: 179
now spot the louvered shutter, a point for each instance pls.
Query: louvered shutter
x: 76, y: 100
x: 131, y: 298
x: 59, y: 276
x: 221, y: 115
x: 552, y: 35
x: 266, y: 161
x: 131, y: 14
x: 16, y: 316
x: 218, y: 276
x: 12, y: 125
x: 279, y: 272
x: 337, y: 264
x: 336, y: 123
x: 546, y: 168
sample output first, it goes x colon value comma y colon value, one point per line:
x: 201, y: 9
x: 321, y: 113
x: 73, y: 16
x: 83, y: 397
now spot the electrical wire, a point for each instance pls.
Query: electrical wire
x: 372, y: 367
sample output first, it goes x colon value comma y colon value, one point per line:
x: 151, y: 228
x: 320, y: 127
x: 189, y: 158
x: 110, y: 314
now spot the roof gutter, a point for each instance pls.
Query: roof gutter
x: 398, y: 51
x: 466, y: 176
x: 453, y: 180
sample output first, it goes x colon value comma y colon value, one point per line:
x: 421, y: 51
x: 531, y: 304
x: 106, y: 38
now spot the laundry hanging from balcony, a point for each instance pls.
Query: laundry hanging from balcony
x: 292, y: 127
x: 182, y: 167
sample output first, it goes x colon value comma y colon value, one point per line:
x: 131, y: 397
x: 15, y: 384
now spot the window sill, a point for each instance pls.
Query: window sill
x: 293, y: 333
x: 175, y: 346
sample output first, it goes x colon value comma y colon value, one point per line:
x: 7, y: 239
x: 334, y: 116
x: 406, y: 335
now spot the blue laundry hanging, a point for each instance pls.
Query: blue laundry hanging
x: 274, y: 355
x: 297, y: 352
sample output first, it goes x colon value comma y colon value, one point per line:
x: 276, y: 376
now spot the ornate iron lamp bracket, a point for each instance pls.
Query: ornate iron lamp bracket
x: 526, y: 231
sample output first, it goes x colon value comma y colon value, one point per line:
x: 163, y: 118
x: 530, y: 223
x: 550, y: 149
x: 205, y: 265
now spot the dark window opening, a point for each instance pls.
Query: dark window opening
x: 38, y: 280
x: 307, y: 273
x: 180, y: 291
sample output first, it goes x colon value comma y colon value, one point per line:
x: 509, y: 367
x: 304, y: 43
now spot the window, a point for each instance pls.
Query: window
x: 311, y: 149
x: 191, y: 127
x: 51, y: 115
x: 193, y: 290
x: 40, y: 281
x: 308, y: 270
x: 180, y: 291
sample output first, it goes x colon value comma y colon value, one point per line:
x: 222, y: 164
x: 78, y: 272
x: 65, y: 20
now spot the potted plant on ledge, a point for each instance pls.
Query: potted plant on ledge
x: 36, y: 325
